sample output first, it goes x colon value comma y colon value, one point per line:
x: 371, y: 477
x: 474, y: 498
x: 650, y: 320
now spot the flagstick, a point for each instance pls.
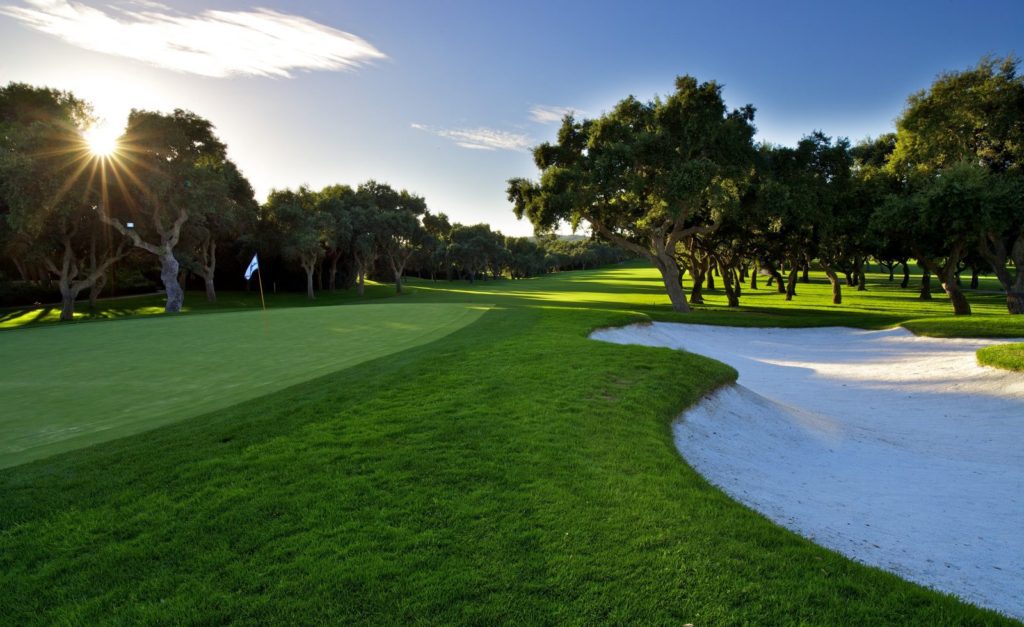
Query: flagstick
x: 259, y: 276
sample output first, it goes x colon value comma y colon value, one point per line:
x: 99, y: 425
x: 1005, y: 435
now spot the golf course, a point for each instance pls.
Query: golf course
x: 462, y: 452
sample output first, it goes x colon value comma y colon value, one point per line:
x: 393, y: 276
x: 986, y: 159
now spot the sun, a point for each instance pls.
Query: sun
x: 101, y: 140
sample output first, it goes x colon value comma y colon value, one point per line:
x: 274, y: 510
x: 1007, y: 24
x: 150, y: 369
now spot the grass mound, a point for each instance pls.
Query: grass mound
x: 1005, y: 356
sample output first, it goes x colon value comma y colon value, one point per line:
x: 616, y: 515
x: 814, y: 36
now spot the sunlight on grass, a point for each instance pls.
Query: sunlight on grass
x: 1006, y: 356
x: 115, y: 379
x: 514, y: 471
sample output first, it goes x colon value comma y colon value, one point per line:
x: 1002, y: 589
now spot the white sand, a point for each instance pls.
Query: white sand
x: 895, y: 450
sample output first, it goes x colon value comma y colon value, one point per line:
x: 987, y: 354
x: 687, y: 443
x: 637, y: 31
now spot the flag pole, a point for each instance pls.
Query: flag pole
x: 259, y: 277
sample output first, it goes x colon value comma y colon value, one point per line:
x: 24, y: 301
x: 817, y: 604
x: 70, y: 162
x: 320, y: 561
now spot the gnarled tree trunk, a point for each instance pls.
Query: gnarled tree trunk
x: 837, y: 285
x: 672, y: 277
x: 791, y: 283
x: 169, y: 276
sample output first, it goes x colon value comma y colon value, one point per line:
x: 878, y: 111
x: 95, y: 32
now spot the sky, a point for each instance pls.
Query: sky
x: 445, y: 98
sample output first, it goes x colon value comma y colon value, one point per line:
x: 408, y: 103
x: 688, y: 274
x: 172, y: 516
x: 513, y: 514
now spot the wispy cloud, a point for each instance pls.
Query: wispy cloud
x: 480, y: 138
x: 260, y: 42
x: 546, y: 114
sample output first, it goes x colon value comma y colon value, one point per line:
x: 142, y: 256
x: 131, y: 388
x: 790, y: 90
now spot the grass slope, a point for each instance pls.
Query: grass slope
x: 513, y: 471
x: 69, y: 386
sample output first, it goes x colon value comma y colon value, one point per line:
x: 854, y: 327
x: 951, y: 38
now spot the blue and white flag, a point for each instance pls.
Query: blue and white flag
x: 254, y: 265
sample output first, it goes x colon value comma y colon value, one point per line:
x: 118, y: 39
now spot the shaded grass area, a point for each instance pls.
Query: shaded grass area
x: 513, y: 471
x: 68, y: 386
x: 1005, y: 356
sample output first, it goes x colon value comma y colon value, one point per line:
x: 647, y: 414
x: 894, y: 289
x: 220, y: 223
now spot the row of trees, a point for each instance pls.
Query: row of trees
x: 170, y: 194
x: 680, y: 181
x: 350, y: 234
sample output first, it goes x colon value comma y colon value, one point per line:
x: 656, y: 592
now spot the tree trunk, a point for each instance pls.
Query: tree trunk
x: 791, y: 284
x: 672, y: 277
x: 837, y: 286
x: 211, y: 293
x: 926, y: 285
x: 310, y: 268
x: 849, y: 278
x: 333, y: 275
x: 947, y: 274
x: 697, y: 292
x: 169, y: 277
x: 1015, y: 302
x: 67, y: 302
x: 975, y: 272
x: 805, y: 276
x: 731, y: 295
x: 753, y: 278
x: 361, y: 284
x: 95, y: 290
x: 709, y: 276
x: 859, y: 269
x: 906, y: 275
x: 398, y: 282
x: 995, y: 251
x: 776, y: 277
x: 960, y: 305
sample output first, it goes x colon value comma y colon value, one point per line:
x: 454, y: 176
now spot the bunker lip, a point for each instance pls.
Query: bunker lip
x: 898, y: 451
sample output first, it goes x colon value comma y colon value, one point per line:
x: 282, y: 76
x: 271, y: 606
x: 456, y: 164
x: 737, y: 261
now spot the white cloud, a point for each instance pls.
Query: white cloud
x: 546, y: 114
x: 260, y: 42
x: 480, y: 138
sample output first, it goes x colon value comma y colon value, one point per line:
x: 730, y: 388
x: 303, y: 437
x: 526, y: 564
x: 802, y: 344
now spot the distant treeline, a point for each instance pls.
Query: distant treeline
x: 168, y: 209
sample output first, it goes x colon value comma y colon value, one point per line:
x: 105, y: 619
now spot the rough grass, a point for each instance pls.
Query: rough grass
x: 1005, y: 356
x: 513, y: 471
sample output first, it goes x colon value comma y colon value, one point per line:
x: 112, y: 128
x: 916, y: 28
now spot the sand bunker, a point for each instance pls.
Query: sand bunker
x: 895, y: 450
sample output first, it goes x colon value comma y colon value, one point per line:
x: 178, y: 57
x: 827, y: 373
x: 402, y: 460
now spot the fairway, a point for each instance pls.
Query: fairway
x: 514, y: 471
x: 69, y: 387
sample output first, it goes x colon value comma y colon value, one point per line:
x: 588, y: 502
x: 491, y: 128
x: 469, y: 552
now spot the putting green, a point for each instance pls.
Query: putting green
x: 71, y: 386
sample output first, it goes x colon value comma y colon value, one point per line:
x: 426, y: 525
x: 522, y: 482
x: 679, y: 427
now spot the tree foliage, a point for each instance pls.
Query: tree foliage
x: 645, y: 176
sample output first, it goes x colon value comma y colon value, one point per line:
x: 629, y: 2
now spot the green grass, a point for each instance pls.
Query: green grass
x: 511, y: 471
x: 69, y: 386
x: 1005, y: 356
x: 195, y: 302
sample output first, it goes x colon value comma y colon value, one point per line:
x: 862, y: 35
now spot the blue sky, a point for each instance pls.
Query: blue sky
x: 443, y: 97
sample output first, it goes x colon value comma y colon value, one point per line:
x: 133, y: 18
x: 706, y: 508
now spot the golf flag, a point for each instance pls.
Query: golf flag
x: 254, y: 265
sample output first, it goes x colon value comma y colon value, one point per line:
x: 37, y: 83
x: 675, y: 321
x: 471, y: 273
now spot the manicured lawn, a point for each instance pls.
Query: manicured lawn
x: 1006, y: 356
x: 510, y: 471
x: 65, y: 387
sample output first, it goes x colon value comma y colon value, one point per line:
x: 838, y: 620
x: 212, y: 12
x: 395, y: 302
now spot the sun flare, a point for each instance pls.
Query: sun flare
x: 101, y: 140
